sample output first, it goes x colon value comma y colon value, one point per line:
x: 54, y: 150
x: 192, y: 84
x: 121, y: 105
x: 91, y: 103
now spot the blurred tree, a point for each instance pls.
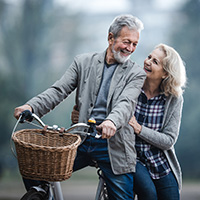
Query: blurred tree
x: 20, y: 38
x: 34, y: 36
x: 186, y: 39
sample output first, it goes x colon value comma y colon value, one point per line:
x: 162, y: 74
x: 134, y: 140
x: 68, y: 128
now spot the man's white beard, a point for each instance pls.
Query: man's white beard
x: 118, y: 57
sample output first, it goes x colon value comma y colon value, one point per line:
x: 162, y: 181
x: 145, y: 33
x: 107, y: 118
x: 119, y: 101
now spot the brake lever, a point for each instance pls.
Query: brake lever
x: 99, y: 132
x: 38, y: 120
x: 78, y: 125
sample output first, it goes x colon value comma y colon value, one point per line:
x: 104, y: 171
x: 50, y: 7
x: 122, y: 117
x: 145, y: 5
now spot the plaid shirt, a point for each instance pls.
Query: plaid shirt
x: 150, y: 114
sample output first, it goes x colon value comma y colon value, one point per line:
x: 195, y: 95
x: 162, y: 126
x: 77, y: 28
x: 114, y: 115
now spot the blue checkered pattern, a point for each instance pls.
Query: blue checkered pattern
x: 150, y: 114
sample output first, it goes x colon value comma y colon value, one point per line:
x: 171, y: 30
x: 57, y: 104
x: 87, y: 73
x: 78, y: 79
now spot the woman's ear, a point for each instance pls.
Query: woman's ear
x: 165, y: 75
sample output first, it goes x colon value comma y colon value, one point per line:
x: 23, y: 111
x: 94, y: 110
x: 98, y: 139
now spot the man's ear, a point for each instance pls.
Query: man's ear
x: 110, y: 37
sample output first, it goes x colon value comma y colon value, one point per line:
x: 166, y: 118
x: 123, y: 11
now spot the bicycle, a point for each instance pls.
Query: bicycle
x: 51, y: 190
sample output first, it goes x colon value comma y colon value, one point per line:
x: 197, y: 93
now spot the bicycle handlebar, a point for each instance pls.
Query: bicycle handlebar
x: 27, y: 116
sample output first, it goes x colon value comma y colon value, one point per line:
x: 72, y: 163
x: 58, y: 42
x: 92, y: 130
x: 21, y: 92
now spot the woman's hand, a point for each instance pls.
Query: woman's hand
x: 137, y: 127
x: 75, y: 115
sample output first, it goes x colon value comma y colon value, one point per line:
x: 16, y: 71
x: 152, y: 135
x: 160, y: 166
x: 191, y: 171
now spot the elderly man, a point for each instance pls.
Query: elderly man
x: 108, y: 85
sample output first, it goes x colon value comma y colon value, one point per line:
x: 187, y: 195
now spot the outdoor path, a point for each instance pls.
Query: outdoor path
x: 83, y: 190
x: 81, y: 186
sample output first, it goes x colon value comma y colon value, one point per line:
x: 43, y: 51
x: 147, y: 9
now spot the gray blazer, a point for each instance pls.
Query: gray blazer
x: 167, y: 137
x: 85, y: 75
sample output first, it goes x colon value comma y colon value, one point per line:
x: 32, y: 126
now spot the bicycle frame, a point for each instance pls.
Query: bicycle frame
x: 56, y: 190
x: 101, y: 192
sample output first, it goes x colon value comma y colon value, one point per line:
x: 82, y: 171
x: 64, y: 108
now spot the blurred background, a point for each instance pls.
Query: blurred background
x: 39, y: 39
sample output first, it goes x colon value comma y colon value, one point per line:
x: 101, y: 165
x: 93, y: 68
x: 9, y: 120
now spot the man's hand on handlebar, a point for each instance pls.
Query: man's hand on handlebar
x: 20, y: 109
x: 108, y: 129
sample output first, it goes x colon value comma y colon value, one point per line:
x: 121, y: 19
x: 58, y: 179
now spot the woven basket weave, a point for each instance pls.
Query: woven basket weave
x: 45, y: 155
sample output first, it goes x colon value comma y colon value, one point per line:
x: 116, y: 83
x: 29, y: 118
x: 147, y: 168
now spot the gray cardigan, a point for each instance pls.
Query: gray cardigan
x: 167, y: 137
x: 85, y: 75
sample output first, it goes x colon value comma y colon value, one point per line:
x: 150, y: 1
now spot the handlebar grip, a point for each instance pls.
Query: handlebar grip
x: 99, y: 129
x: 26, y: 115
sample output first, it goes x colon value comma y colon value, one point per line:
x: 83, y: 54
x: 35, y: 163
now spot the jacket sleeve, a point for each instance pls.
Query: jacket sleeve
x: 50, y: 98
x: 167, y: 137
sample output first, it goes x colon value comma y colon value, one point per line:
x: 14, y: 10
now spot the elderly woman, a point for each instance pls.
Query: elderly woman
x: 156, y: 124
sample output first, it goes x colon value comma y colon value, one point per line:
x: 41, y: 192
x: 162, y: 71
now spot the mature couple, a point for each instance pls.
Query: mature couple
x: 140, y: 118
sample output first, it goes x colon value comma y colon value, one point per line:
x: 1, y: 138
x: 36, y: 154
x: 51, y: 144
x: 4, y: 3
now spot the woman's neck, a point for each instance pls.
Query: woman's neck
x: 151, y: 89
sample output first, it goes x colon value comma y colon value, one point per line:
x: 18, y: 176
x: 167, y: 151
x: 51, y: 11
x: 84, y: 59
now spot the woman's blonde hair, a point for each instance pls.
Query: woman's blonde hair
x: 175, y: 81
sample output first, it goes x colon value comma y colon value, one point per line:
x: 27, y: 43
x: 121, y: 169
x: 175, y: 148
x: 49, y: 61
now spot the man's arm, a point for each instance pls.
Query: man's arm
x: 124, y: 107
x: 50, y: 98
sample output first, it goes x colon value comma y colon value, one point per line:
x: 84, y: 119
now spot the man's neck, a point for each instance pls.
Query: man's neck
x: 110, y: 57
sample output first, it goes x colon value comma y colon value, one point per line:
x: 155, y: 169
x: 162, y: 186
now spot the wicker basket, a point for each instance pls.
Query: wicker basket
x: 45, y: 155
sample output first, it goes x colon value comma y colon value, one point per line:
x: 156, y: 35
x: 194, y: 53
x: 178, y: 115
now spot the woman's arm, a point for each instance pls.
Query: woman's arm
x: 170, y: 130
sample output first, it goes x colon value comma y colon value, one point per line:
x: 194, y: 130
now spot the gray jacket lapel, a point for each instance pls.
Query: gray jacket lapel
x: 119, y: 72
x: 99, y: 71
